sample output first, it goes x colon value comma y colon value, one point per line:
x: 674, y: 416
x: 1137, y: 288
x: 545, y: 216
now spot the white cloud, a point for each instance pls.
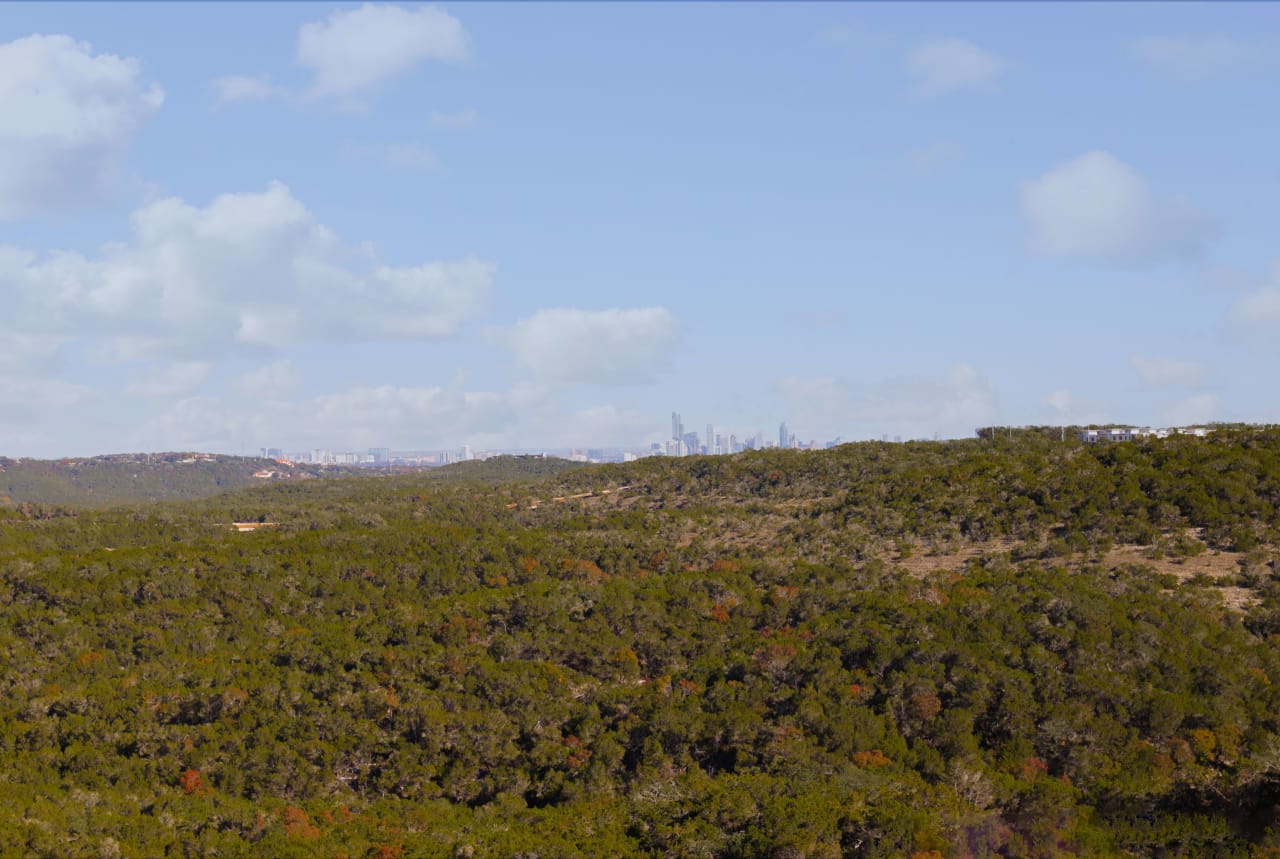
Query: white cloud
x: 436, y: 414
x: 942, y: 66
x: 25, y: 352
x: 174, y: 380
x: 353, y: 51
x: 604, y: 347
x: 1165, y: 371
x: 12, y: 438
x: 952, y: 405
x: 66, y: 117
x: 249, y: 271
x: 840, y: 35
x: 412, y: 156
x: 399, y: 156
x: 454, y: 121
x: 27, y: 392
x: 1230, y: 278
x: 1193, y: 57
x: 270, y: 381
x: 199, y: 423
x: 352, y: 419
x: 817, y: 317
x: 1059, y: 400
x: 1195, y: 409
x: 234, y: 88
x: 926, y: 159
x: 596, y: 426
x: 1097, y: 207
x: 1254, y: 319
x: 1066, y: 408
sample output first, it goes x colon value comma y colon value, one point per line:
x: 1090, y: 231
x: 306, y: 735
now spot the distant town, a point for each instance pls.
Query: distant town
x: 681, y: 442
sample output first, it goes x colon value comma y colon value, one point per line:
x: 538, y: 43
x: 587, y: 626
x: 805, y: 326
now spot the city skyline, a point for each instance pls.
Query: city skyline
x: 681, y: 443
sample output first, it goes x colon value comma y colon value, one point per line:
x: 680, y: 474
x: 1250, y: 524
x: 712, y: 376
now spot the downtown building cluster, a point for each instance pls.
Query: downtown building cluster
x: 681, y: 443
x: 717, y: 443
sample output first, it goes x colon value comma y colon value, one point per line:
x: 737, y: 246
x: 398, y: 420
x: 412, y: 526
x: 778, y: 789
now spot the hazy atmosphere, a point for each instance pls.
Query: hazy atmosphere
x: 519, y: 225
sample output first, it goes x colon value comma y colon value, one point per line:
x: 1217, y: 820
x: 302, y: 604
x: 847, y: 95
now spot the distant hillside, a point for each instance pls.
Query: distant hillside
x: 128, y: 478
x: 504, y: 468
x: 102, y: 481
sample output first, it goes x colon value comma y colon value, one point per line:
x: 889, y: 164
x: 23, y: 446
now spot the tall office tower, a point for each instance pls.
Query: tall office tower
x: 782, y: 435
x: 733, y: 444
x: 690, y: 443
x: 711, y: 439
x: 677, y: 426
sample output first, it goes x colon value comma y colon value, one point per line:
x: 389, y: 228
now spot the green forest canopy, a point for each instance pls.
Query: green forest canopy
x: 996, y: 647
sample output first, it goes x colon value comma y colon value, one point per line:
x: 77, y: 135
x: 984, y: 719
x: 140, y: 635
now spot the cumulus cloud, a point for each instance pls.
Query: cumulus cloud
x: 270, y: 381
x: 1097, y: 207
x: 250, y: 271
x: 603, y: 347
x: 199, y: 423
x: 26, y: 392
x: 234, y: 88
x: 952, y: 404
x: 453, y: 121
x: 1066, y: 408
x: 597, y: 426
x: 1165, y: 371
x: 66, y: 117
x: 412, y: 157
x: 943, y: 66
x: 1193, y: 57
x: 435, y: 414
x: 27, y: 352
x: 1254, y: 318
x: 926, y: 159
x: 351, y: 419
x: 353, y: 51
x: 1195, y: 409
x: 174, y: 380
x: 1229, y: 278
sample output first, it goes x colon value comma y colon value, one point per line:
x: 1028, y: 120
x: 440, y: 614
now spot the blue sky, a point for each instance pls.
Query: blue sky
x: 227, y: 226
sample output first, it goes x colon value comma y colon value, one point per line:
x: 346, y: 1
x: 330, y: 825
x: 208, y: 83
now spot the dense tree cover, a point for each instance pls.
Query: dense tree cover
x: 503, y: 468
x: 725, y: 658
x: 103, y: 481
x: 106, y: 481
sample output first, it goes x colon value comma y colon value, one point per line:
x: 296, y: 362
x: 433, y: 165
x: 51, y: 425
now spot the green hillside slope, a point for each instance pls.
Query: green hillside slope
x: 989, y: 648
x: 102, y: 481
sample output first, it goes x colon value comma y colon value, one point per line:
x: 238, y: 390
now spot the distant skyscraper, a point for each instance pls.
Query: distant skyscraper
x: 783, y: 435
x: 711, y: 439
x: 677, y: 426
